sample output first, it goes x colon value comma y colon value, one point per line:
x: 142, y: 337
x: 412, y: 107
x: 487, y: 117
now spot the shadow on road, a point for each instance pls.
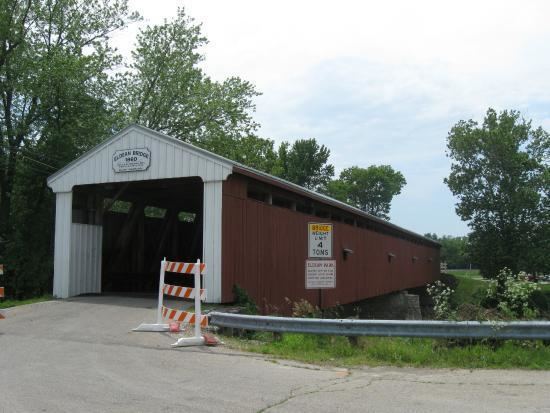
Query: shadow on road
x: 134, y: 300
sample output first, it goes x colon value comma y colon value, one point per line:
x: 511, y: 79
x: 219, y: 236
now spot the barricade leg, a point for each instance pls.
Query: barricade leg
x: 159, y: 326
x: 198, y: 339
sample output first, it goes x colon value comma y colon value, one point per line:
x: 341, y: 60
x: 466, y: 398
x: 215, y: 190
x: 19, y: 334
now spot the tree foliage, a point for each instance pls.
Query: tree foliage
x: 53, y: 65
x: 369, y: 189
x: 258, y: 153
x: 55, y: 103
x: 455, y: 251
x: 166, y: 90
x: 500, y: 175
x: 305, y: 163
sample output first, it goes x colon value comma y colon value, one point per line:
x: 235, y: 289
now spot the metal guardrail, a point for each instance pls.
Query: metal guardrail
x: 518, y: 330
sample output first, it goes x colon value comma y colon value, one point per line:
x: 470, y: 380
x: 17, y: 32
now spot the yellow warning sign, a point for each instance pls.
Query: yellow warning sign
x: 321, y: 227
x: 319, y: 240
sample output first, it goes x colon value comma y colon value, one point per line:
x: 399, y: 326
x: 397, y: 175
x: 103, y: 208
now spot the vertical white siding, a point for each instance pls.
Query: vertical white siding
x: 212, y: 239
x: 85, y: 265
x: 63, y: 218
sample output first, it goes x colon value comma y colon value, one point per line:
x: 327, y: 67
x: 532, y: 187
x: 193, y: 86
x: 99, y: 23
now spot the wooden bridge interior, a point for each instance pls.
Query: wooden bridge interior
x: 143, y: 222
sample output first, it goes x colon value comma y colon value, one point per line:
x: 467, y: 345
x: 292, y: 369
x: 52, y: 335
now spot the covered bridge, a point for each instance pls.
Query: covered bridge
x: 141, y: 195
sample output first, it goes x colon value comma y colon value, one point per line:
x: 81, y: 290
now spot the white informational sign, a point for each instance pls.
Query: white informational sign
x: 319, y: 240
x: 320, y: 274
x: 129, y: 160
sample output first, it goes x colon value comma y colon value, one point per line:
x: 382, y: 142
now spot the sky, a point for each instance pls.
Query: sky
x: 377, y: 82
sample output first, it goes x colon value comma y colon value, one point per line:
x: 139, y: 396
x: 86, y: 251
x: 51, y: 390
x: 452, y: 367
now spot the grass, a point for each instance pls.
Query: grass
x: 400, y: 352
x: 465, y: 273
x: 470, y: 286
x: 15, y: 303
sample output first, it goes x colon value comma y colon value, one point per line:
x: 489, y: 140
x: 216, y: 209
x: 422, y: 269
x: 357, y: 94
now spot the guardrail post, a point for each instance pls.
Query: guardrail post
x: 353, y: 341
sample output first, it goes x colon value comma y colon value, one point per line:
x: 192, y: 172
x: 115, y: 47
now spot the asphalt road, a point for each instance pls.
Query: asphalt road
x: 79, y: 355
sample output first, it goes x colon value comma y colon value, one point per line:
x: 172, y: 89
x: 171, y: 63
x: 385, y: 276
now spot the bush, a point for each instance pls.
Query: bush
x: 303, y: 309
x: 512, y: 295
x: 449, y: 280
x: 469, y: 311
x: 242, y: 299
x: 441, y: 296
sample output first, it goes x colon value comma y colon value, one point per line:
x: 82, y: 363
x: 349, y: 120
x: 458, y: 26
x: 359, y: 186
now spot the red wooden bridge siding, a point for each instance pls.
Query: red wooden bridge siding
x: 264, y: 248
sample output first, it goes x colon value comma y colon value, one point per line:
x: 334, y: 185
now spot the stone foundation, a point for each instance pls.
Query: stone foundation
x: 395, y: 306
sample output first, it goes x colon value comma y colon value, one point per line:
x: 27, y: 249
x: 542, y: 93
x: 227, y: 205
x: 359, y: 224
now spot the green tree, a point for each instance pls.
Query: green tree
x: 53, y: 60
x: 500, y: 175
x: 305, y: 163
x: 166, y: 90
x: 370, y: 189
x: 55, y: 103
x: 256, y: 152
x: 454, y: 250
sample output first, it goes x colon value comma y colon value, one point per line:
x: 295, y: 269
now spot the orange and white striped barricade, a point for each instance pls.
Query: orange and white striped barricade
x: 181, y: 316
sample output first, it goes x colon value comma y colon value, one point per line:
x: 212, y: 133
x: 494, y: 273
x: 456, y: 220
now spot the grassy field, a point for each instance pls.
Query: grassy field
x: 400, y: 352
x: 470, y: 286
x: 15, y: 303
x: 465, y: 273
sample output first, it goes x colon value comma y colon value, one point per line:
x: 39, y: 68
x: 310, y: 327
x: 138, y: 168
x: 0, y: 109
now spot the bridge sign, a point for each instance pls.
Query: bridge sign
x: 319, y: 240
x: 320, y: 274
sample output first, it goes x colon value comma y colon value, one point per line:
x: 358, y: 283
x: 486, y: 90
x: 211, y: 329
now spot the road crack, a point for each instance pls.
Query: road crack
x: 321, y: 387
x: 328, y: 387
